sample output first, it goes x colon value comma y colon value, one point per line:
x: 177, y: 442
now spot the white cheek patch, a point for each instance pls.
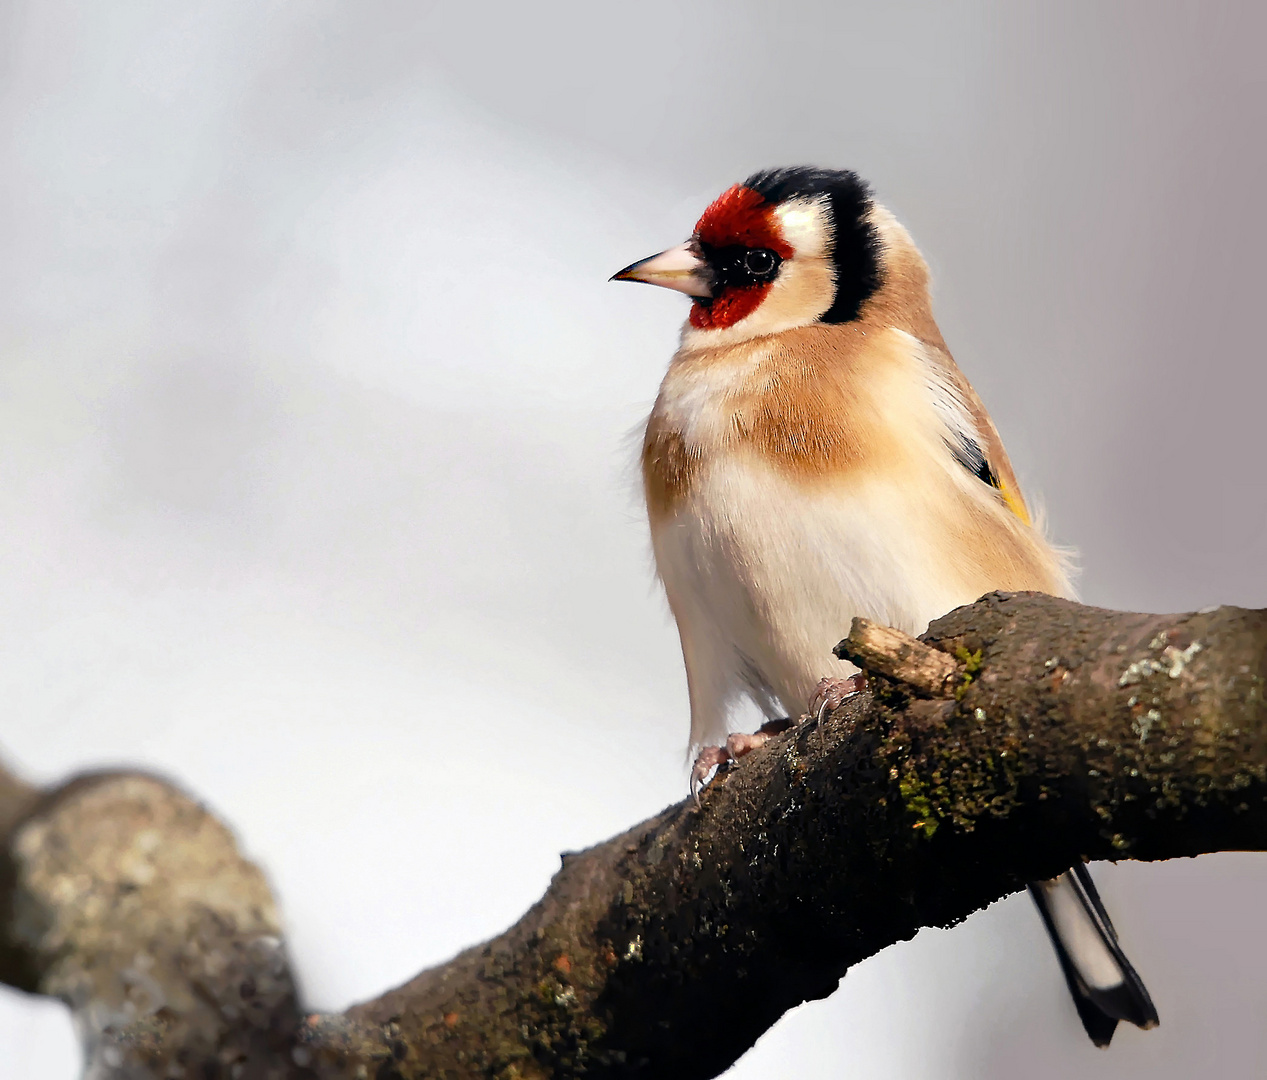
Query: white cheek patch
x: 803, y: 224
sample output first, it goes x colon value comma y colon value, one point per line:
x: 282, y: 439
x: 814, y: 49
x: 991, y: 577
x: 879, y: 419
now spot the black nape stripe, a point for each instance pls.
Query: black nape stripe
x: 856, y: 245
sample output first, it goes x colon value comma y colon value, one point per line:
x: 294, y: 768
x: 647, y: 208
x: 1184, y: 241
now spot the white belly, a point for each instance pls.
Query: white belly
x: 764, y: 577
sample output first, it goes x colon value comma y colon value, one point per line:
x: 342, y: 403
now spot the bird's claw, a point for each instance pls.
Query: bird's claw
x: 831, y: 693
x: 737, y: 745
x: 709, y: 758
x: 828, y: 695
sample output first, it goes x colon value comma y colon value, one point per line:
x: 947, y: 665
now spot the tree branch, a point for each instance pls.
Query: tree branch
x: 1026, y: 733
x: 130, y: 902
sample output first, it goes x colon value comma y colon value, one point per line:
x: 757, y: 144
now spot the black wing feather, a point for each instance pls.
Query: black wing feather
x: 969, y: 454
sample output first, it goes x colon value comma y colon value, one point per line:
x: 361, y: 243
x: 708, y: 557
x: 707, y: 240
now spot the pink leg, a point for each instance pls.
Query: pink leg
x: 737, y: 745
x: 831, y: 693
x: 709, y: 758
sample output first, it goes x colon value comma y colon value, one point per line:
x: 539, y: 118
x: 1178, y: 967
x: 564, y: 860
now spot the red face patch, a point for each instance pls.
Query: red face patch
x: 741, y: 216
x: 727, y: 308
x: 738, y: 217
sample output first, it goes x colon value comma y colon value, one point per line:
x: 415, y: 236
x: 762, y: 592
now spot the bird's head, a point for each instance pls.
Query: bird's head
x: 786, y: 248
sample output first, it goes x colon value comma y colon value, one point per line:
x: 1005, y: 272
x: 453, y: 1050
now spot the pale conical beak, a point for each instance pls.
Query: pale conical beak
x: 679, y: 268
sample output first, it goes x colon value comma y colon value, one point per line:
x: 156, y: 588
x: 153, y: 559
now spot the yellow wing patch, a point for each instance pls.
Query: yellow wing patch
x: 1014, y: 502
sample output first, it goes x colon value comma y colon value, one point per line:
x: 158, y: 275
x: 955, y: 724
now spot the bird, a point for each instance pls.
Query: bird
x: 814, y: 454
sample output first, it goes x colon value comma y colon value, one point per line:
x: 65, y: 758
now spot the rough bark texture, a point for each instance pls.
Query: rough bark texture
x: 1061, y: 732
x: 127, y: 900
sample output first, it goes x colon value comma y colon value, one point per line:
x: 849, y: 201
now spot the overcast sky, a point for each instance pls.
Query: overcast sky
x: 318, y: 488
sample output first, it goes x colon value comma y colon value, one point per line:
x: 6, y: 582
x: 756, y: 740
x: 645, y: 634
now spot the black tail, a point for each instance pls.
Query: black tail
x: 1104, y: 986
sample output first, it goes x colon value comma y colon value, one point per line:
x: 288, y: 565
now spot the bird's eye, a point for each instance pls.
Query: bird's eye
x: 737, y: 267
x: 760, y: 262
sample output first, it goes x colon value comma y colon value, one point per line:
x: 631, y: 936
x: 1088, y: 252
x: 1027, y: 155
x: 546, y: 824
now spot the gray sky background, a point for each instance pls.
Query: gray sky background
x: 316, y: 485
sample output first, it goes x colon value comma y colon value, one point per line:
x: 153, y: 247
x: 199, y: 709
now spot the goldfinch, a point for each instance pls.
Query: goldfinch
x: 814, y: 454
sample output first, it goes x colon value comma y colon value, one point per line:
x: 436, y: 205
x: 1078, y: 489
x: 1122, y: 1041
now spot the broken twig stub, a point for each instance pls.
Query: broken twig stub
x: 889, y: 652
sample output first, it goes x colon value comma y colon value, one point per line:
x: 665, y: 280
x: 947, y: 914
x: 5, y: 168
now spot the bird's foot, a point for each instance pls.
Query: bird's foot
x: 831, y: 693
x: 710, y: 757
x: 737, y: 745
